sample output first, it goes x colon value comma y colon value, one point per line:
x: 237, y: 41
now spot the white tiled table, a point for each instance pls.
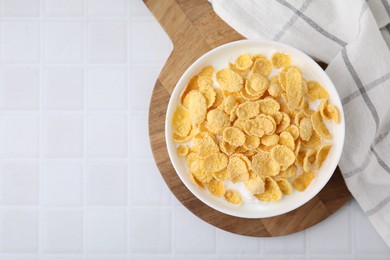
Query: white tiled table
x: 77, y: 178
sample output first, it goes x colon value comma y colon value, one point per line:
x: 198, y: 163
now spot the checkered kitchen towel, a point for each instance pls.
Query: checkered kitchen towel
x: 352, y: 36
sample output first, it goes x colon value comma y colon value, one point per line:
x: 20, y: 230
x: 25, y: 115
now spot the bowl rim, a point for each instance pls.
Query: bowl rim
x: 170, y: 107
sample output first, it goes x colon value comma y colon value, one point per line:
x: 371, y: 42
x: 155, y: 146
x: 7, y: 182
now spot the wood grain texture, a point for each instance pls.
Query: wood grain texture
x: 194, y: 29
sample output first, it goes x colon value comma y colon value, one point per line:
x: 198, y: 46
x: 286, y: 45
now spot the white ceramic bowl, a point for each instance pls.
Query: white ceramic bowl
x: 252, y: 207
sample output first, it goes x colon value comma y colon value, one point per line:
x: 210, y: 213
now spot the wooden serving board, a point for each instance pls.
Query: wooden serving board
x: 194, y: 29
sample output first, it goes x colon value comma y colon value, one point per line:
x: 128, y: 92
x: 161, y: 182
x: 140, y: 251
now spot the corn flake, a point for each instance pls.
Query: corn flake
x: 316, y: 91
x: 263, y: 164
x: 253, y: 127
x: 274, y: 88
x: 290, y: 172
x: 319, y: 126
x: 255, y: 184
x: 284, y: 186
x: 270, y: 140
x: 283, y: 155
x: 233, y: 197
x: 308, y: 159
x: 256, y: 85
x: 244, y: 62
x: 180, y: 139
x: 247, y: 110
x: 271, y: 192
x: 286, y: 120
x: 196, y: 104
x: 195, y: 181
x: 204, y: 144
x: 285, y: 138
x: 233, y: 136
x: 216, y: 187
x: 293, y: 130
x: 215, y: 162
x: 302, y: 181
x: 293, y: 88
x: 221, y: 175
x: 269, y: 106
x: 262, y: 66
x: 237, y: 169
x: 305, y: 128
x: 217, y: 120
x: 182, y: 150
x: 280, y: 60
x: 226, y: 148
x: 251, y: 142
x: 329, y: 112
x: 321, y: 155
x: 181, y: 123
x: 229, y: 80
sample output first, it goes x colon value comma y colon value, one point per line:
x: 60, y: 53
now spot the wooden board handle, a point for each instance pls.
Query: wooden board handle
x: 194, y: 29
x: 192, y: 17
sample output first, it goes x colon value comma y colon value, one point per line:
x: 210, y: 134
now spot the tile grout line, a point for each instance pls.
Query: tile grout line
x: 128, y: 125
x: 41, y: 125
x: 173, y: 233
x: 307, y: 243
x: 113, y: 18
x: 352, y: 231
x: 217, y: 242
x: 85, y: 101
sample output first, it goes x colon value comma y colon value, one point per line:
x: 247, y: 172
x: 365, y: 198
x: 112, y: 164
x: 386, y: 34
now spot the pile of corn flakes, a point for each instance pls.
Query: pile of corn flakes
x: 248, y: 126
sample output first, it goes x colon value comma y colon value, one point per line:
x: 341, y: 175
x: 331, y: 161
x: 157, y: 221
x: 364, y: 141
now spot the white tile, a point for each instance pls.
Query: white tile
x: 195, y: 257
x: 63, y: 136
x: 19, y: 231
x: 144, y: 173
x: 19, y: 136
x: 138, y: 8
x: 63, y: 88
x: 281, y: 257
x: 229, y: 243
x: 150, y: 231
x: 140, y: 144
x: 110, y: 257
x: 142, y: 83
x: 333, y: 258
x: 192, y: 235
x: 63, y: 41
x: 107, y: 7
x: 148, y: 257
x: 60, y: 257
x: 62, y: 183
x: 107, y: 136
x: 294, y: 244
x: 62, y: 231
x: 23, y: 8
x: 19, y: 88
x: 107, y: 42
x: 106, y: 183
x: 371, y: 258
x: 107, y: 89
x: 331, y: 236
x: 230, y: 257
x: 367, y: 239
x: 175, y: 201
x: 18, y: 257
x: 14, y: 36
x: 105, y: 231
x: 154, y: 46
x: 63, y: 7
x: 19, y: 183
